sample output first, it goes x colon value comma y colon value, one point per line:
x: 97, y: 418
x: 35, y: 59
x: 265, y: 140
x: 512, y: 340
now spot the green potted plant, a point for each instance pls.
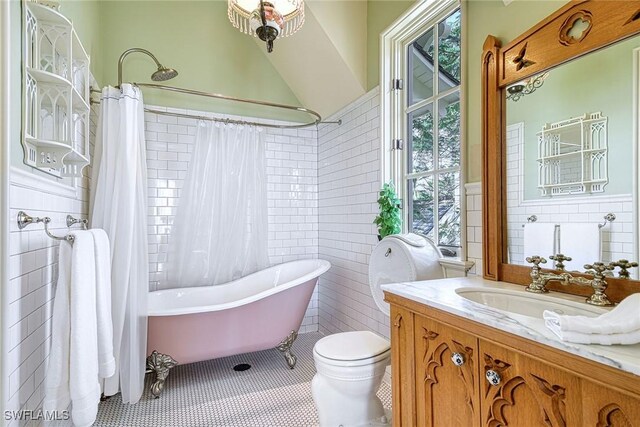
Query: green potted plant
x: 389, y: 219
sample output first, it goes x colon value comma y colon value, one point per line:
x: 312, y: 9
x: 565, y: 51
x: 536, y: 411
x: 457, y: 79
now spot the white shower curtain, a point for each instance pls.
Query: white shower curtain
x: 119, y: 206
x: 220, y: 229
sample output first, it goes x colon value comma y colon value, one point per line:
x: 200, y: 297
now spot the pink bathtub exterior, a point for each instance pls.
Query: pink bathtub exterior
x: 259, y: 321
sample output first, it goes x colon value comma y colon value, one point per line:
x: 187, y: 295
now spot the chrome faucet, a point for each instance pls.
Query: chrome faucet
x: 539, y: 279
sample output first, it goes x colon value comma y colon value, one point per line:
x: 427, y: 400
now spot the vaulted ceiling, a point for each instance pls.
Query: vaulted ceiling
x: 325, y: 63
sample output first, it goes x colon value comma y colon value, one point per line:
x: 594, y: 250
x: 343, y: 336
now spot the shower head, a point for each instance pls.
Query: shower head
x: 163, y: 74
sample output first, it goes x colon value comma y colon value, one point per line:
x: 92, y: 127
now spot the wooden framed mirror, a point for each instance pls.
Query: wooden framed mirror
x: 580, y: 29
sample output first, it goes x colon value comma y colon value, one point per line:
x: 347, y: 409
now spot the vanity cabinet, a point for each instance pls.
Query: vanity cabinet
x: 439, y: 374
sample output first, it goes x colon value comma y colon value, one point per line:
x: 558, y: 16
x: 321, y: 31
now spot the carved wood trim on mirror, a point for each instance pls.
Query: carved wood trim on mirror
x: 578, y: 28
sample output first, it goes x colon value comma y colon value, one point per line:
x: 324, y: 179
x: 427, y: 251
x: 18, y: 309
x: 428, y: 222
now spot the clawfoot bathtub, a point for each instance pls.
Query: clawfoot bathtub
x: 260, y: 311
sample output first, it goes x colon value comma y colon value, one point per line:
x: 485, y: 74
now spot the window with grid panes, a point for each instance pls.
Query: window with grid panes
x: 430, y: 167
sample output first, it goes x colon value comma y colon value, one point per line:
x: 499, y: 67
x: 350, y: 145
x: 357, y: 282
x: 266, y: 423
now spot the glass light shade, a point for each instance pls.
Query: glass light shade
x: 287, y: 16
x: 272, y: 16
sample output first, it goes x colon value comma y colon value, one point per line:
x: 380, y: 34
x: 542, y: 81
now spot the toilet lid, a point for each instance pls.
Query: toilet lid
x: 349, y: 346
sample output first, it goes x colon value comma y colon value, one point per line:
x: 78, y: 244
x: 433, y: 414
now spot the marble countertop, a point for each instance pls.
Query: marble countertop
x: 441, y: 294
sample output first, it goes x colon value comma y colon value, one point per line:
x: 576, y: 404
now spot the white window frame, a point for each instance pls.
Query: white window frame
x: 394, y: 42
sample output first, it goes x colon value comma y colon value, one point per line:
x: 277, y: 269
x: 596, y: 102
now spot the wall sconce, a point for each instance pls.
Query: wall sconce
x: 525, y: 87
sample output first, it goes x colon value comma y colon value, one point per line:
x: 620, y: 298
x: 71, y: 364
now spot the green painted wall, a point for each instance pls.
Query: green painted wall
x: 485, y: 17
x: 380, y: 14
x: 572, y: 90
x: 85, y: 15
x: 197, y: 39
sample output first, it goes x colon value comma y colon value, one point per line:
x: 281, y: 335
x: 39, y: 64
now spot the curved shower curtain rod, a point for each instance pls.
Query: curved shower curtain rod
x: 163, y: 73
x: 317, y: 121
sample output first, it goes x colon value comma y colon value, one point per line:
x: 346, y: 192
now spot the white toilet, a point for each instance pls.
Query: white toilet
x: 350, y: 365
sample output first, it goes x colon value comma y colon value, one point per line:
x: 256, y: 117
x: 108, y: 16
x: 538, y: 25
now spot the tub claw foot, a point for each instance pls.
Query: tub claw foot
x: 285, y: 348
x: 160, y: 364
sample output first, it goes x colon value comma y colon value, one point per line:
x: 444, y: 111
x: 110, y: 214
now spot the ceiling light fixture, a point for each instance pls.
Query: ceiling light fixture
x: 267, y: 20
x: 525, y: 87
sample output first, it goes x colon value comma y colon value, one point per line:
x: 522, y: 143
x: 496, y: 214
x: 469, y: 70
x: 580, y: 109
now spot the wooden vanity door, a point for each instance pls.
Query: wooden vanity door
x: 608, y: 408
x: 446, y: 394
x: 402, y: 367
x: 529, y: 393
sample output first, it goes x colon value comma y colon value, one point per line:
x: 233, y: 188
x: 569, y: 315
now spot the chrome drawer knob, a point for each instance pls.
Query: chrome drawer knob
x: 493, y: 377
x: 457, y: 359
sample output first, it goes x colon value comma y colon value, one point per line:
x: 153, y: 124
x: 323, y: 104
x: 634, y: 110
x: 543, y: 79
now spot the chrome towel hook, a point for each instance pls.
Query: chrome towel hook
x: 610, y: 217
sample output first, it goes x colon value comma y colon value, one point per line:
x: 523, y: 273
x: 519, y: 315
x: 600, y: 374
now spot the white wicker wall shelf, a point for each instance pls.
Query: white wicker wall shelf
x: 572, y: 156
x: 55, y: 91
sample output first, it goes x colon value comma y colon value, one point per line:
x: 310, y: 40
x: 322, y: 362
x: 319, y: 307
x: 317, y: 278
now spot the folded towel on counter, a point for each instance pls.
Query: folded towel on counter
x: 626, y: 338
x: 107, y: 363
x: 624, y: 318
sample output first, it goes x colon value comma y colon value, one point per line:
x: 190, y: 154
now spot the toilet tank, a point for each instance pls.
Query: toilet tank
x: 402, y: 258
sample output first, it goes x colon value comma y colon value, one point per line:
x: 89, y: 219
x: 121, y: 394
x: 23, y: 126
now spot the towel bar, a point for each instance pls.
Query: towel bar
x: 25, y: 219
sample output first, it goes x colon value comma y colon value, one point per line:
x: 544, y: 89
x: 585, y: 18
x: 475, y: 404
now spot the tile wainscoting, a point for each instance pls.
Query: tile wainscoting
x: 348, y: 185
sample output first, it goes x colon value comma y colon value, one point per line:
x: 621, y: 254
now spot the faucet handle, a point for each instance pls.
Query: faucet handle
x: 599, y: 283
x: 559, y: 260
x: 536, y: 260
x: 599, y: 268
x: 624, y: 265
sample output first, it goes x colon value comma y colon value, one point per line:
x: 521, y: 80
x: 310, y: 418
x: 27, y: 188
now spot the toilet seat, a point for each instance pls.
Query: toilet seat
x: 352, y: 348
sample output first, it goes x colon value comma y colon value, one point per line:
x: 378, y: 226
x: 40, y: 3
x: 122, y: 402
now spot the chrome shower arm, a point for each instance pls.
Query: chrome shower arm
x: 129, y: 51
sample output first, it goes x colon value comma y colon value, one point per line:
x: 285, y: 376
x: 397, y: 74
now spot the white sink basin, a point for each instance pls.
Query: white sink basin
x: 527, y: 304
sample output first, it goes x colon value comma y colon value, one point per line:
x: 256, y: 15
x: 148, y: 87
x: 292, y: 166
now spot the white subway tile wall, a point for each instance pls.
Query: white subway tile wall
x: 33, y: 271
x: 292, y: 192
x: 348, y: 182
x: 474, y: 226
x: 617, y: 237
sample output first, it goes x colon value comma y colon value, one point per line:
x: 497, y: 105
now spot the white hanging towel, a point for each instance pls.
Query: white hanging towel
x: 57, y: 376
x: 624, y: 318
x: 580, y: 241
x: 539, y: 239
x: 107, y: 363
x: 73, y: 362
